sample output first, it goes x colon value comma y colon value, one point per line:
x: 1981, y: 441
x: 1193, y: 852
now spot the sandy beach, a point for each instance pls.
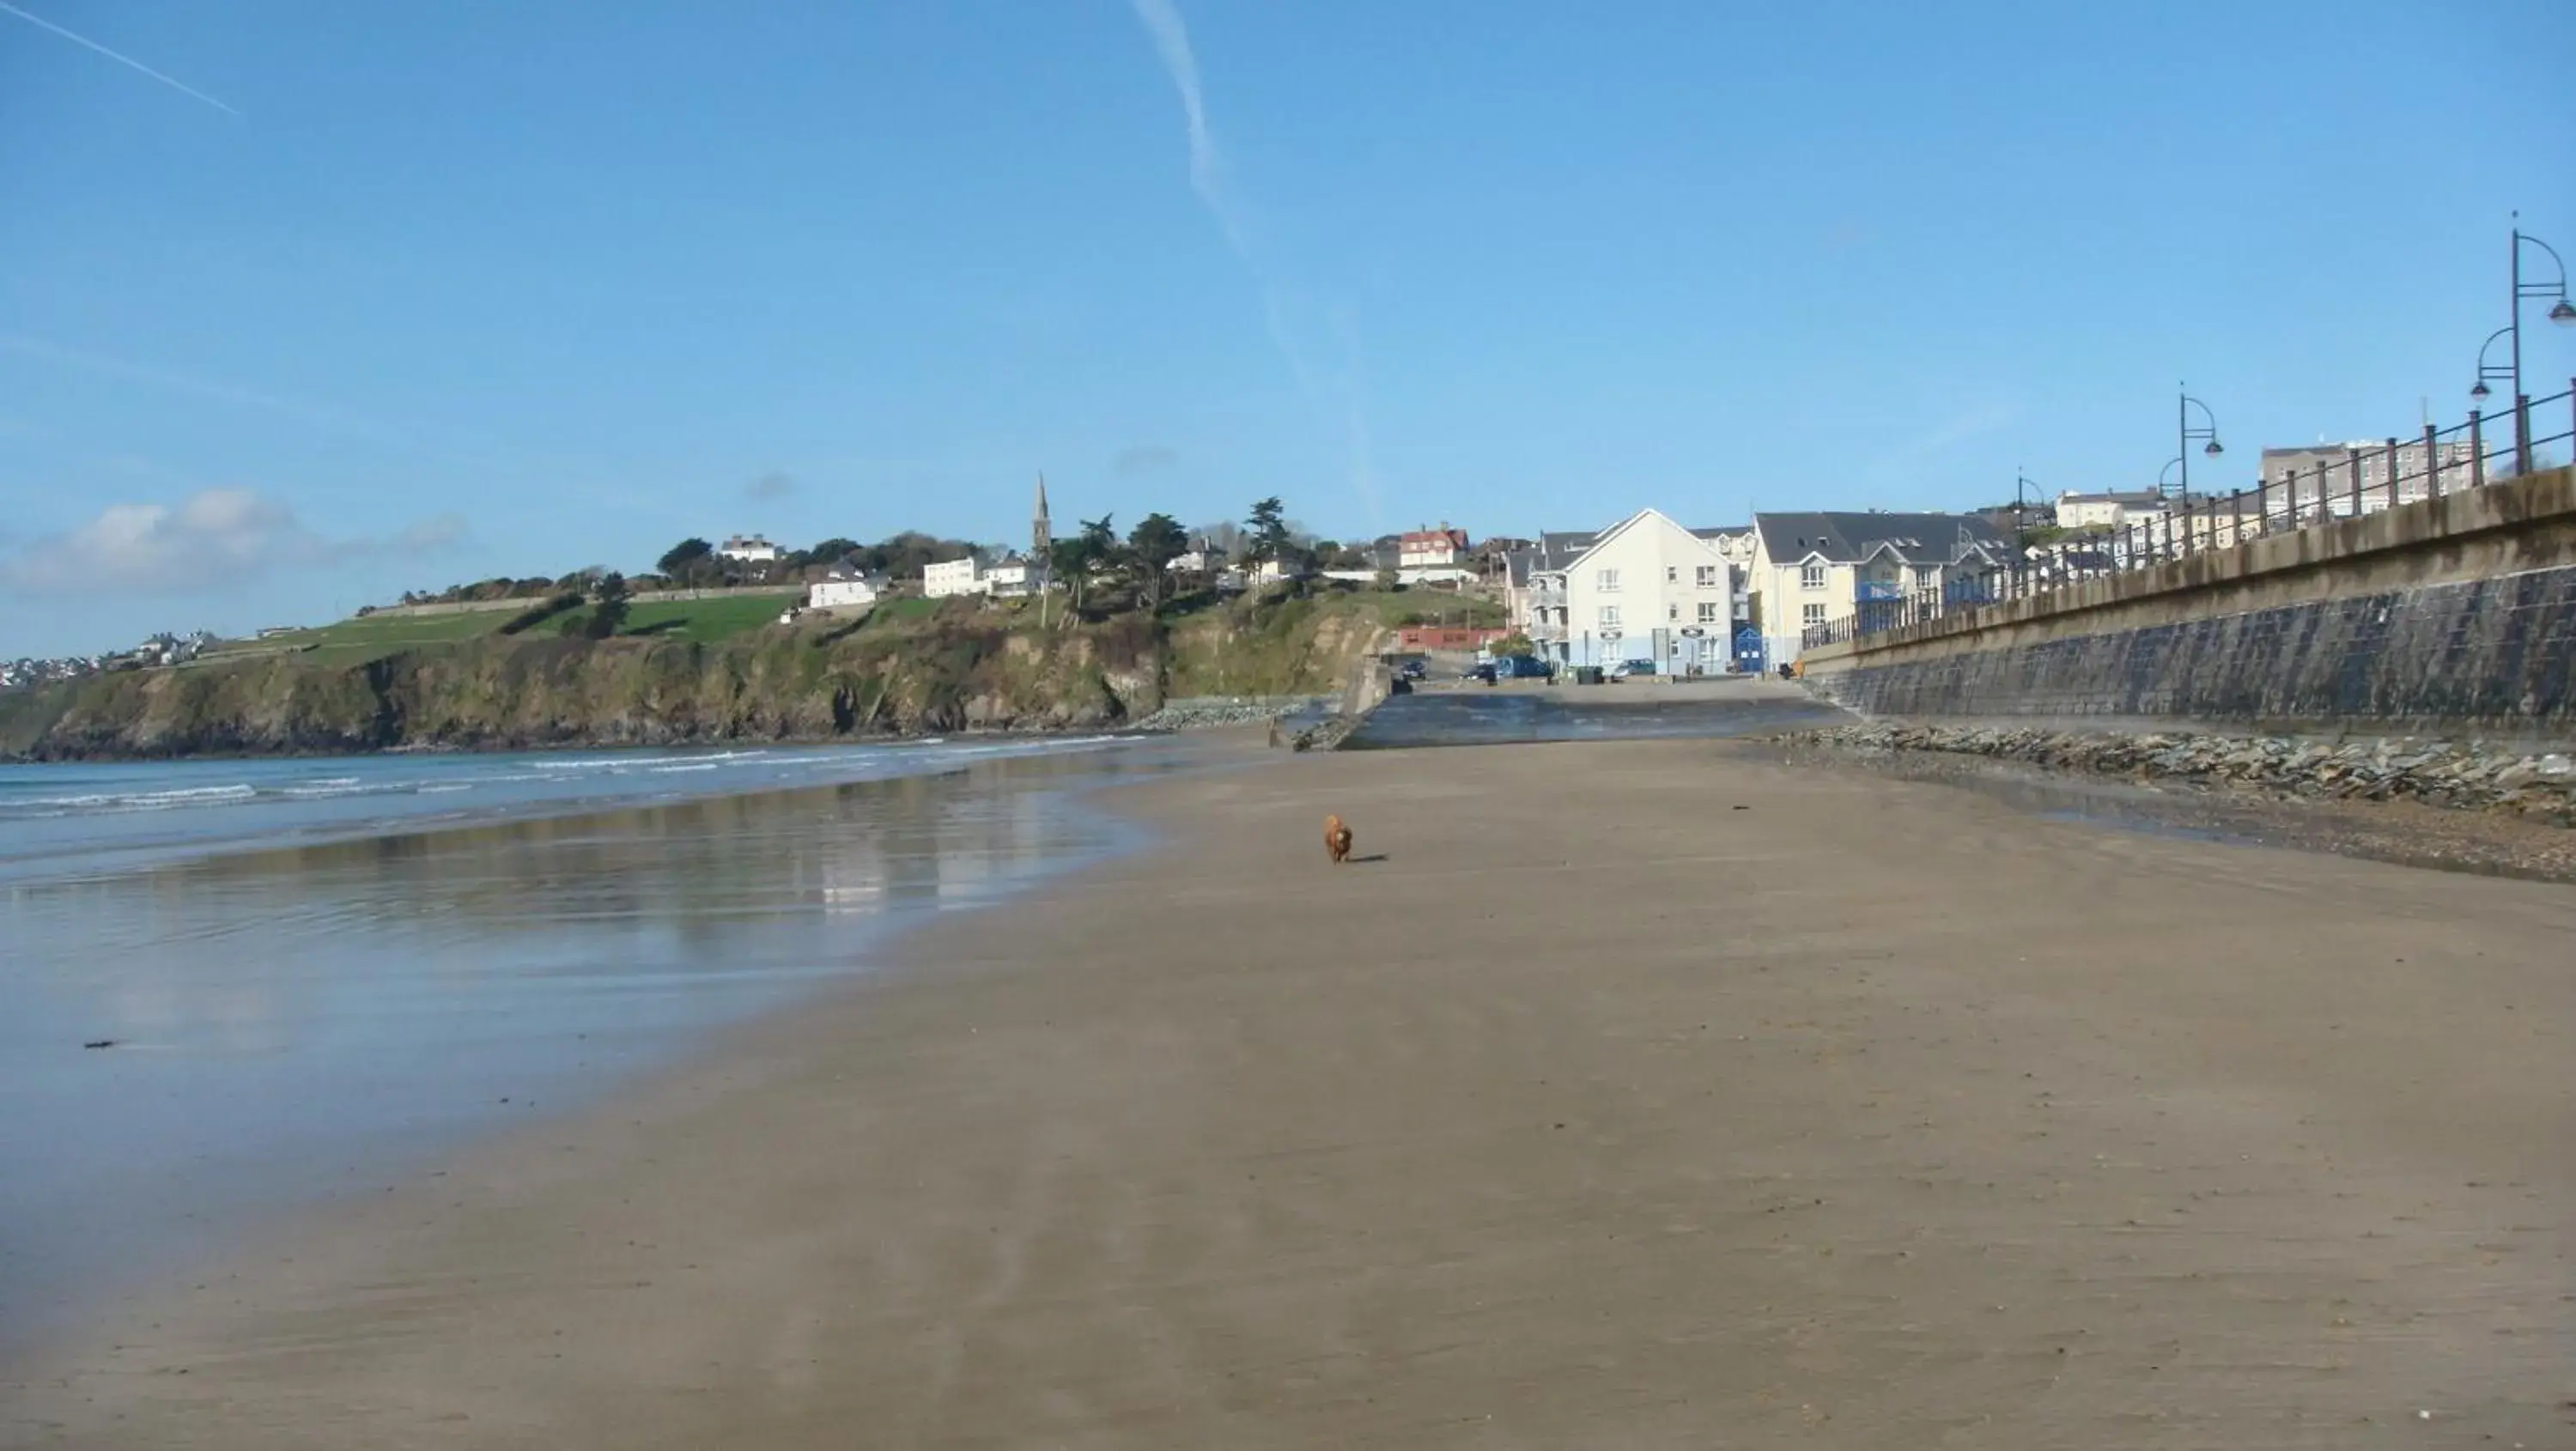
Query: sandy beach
x: 1644, y: 1094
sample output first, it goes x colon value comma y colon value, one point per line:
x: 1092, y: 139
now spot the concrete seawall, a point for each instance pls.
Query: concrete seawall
x: 2450, y: 615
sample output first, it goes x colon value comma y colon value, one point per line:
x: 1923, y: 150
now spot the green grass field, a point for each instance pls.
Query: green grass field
x: 369, y: 636
x: 702, y: 621
x: 895, y: 612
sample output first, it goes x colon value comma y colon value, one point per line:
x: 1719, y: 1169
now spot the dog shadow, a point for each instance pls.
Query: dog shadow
x: 1361, y: 861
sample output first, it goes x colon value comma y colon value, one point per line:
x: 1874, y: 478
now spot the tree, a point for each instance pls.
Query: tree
x: 832, y: 551
x: 1151, y: 547
x: 1514, y: 643
x: 1267, y: 527
x: 607, y: 606
x: 1070, y: 560
x: 685, y: 557
x: 1102, y: 537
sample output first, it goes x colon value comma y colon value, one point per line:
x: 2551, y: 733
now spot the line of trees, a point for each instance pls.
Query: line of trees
x: 696, y: 564
x: 1096, y: 558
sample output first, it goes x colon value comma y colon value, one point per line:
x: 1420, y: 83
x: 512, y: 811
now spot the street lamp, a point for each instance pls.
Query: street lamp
x: 2185, y: 433
x: 2561, y: 313
x: 2021, y: 524
x: 2165, y: 473
x: 2501, y: 372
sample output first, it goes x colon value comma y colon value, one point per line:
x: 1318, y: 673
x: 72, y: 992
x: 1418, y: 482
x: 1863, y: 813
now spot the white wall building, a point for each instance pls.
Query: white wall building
x: 1430, y: 548
x: 2325, y: 473
x: 956, y: 577
x: 2107, y: 511
x: 845, y: 592
x: 749, y: 548
x: 1645, y: 588
x: 1008, y: 577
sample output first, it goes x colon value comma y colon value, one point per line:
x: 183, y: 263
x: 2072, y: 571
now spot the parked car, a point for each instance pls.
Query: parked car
x: 1482, y: 670
x: 1413, y: 669
x: 1524, y: 667
x: 1632, y: 669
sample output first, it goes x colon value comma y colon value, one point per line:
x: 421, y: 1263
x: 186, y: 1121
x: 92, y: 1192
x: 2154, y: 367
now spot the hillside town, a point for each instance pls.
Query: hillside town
x: 1643, y: 594
x: 163, y: 649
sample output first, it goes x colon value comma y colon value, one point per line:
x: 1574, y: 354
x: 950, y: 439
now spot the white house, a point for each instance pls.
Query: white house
x: 1645, y: 588
x: 844, y: 591
x: 2107, y: 511
x: 956, y: 577
x: 1271, y: 571
x: 1812, y: 569
x: 1008, y: 577
x: 749, y: 548
x: 1430, y: 548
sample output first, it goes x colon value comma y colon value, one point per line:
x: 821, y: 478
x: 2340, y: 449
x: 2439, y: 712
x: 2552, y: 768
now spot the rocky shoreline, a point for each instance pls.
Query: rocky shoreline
x: 2538, y: 787
x: 1205, y: 712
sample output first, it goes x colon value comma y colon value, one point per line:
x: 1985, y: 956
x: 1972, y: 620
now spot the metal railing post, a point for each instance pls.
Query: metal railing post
x: 2352, y: 461
x: 2392, y: 472
x: 2293, y: 482
x: 2477, y: 451
x: 2521, y: 434
x: 2432, y: 462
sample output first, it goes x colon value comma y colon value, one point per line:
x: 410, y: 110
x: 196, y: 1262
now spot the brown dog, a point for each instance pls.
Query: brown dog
x: 1337, y: 840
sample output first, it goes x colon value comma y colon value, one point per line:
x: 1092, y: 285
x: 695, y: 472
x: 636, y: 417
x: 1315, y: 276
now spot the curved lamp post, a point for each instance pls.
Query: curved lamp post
x: 2185, y: 433
x: 2497, y: 372
x: 2021, y: 526
x: 2561, y: 312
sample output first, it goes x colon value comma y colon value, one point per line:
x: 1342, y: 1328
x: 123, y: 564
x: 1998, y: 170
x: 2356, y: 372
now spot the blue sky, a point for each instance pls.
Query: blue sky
x: 524, y: 285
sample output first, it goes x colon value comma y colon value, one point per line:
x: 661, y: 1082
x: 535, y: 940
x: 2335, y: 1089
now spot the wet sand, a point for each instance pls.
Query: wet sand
x: 1588, y: 1110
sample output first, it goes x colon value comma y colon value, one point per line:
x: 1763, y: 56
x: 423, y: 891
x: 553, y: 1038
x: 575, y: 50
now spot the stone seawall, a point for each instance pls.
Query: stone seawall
x: 2483, y: 656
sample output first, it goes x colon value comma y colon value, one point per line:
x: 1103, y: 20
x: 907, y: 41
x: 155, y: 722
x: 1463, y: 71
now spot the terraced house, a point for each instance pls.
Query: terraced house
x: 1813, y: 569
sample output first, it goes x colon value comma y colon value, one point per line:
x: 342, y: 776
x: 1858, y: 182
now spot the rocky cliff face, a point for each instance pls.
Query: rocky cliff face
x: 974, y: 672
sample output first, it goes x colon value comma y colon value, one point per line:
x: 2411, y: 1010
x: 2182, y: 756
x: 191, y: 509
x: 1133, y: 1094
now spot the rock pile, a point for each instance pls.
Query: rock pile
x: 1205, y: 711
x: 2468, y: 774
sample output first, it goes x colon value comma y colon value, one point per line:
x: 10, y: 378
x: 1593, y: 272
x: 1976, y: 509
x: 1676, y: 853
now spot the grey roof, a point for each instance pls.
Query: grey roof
x: 1849, y: 538
x: 2115, y: 496
x: 1554, y: 550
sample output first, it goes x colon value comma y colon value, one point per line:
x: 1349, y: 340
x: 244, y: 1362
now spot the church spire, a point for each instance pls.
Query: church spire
x: 1040, y: 534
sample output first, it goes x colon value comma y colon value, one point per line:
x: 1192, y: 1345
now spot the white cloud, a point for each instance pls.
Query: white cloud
x: 211, y: 540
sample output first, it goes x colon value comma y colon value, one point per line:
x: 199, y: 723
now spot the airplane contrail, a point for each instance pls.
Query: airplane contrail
x: 1171, y: 37
x: 125, y: 60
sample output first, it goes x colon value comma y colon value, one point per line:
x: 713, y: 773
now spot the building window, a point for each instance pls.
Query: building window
x: 1708, y: 576
x: 1812, y: 614
x: 1708, y: 612
x: 1811, y: 576
x: 1609, y: 617
x: 1672, y: 574
x: 1673, y: 613
x: 1607, y: 581
x: 1923, y: 576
